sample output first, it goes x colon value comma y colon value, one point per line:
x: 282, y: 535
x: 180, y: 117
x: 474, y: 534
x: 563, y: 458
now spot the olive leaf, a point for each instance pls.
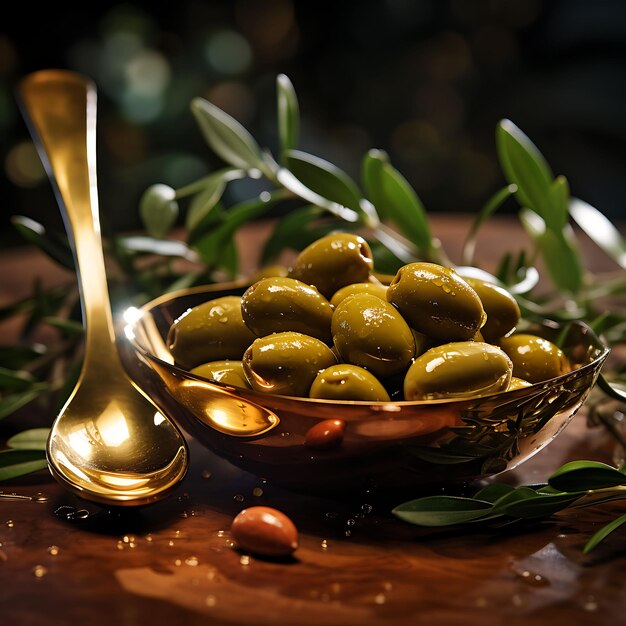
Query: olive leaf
x: 599, y: 229
x: 396, y: 200
x: 15, y: 380
x: 585, y: 475
x: 158, y: 209
x: 324, y: 178
x: 603, y: 533
x: 12, y: 402
x: 18, y: 356
x: 54, y: 245
x: 15, y: 463
x: 32, y: 439
x: 288, y: 114
x: 227, y: 137
x: 441, y: 510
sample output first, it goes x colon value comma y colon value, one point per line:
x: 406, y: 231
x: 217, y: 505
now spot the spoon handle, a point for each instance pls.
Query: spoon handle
x: 60, y: 109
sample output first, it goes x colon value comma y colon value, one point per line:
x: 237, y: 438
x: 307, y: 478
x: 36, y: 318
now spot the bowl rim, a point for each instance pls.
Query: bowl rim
x: 262, y: 398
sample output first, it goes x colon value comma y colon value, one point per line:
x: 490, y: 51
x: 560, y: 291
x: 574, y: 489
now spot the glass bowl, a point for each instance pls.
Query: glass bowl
x: 386, y: 446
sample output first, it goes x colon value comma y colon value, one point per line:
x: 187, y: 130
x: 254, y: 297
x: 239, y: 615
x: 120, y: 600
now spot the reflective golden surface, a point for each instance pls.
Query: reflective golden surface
x: 385, y: 445
x: 110, y: 442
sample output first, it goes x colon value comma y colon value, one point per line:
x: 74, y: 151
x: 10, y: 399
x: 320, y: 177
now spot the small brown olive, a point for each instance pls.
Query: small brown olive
x: 325, y: 435
x: 265, y: 531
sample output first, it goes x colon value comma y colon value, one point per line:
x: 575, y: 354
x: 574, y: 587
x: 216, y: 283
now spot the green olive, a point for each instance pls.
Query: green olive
x: 210, y: 331
x: 275, y: 305
x: 502, y: 310
x: 348, y: 382
x: 436, y: 301
x: 518, y: 383
x: 376, y: 289
x: 227, y: 372
x: 286, y: 363
x: 462, y: 369
x: 369, y: 332
x: 534, y: 359
x: 333, y: 262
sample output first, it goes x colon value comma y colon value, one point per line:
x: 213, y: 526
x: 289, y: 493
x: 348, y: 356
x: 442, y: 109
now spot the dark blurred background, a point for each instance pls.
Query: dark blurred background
x: 425, y: 80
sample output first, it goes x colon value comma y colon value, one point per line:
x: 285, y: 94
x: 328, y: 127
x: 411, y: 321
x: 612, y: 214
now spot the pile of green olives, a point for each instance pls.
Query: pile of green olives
x: 330, y: 329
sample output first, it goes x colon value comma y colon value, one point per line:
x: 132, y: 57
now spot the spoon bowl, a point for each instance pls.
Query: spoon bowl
x: 110, y: 443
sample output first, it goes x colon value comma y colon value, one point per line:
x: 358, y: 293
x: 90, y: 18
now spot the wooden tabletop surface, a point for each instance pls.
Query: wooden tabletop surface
x: 65, y: 561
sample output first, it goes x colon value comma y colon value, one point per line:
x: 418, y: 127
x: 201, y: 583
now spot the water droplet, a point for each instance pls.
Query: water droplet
x: 324, y: 544
x: 132, y: 544
x: 532, y: 578
x: 210, y: 600
x: 285, y: 434
x: 184, y: 514
x: 39, y: 571
x: 221, y: 533
x: 39, y: 497
x: 351, y: 522
x: 120, y: 545
x: 387, y: 585
x: 348, y: 533
x: 10, y: 523
x: 170, y: 543
x: 380, y: 598
x: 178, y: 562
x: 149, y: 538
x: 81, y: 514
x: 330, y: 515
x: 590, y: 604
x: 192, y: 561
x: 53, y: 550
x: 238, y: 498
x: 366, y: 508
x: 205, y: 474
x: 257, y: 492
x: 245, y: 560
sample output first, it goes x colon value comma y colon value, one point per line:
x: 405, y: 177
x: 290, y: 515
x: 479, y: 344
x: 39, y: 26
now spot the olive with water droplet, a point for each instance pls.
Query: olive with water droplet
x: 348, y: 382
x: 535, y: 359
x: 369, y: 332
x: 456, y: 370
x: 436, y: 301
x: 227, y: 372
x: 334, y: 261
x: 503, y: 312
x: 211, y: 331
x: 286, y: 363
x: 376, y: 289
x: 278, y: 304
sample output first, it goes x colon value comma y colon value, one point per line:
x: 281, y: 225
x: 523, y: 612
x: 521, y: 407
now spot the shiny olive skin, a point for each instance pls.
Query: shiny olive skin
x: 348, y: 382
x: 462, y: 369
x: 518, y: 383
x: 286, y: 363
x: 503, y: 313
x: 436, y: 301
x: 534, y: 359
x: 334, y: 261
x: 376, y: 289
x: 227, y: 372
x: 211, y: 331
x: 278, y: 304
x: 369, y: 332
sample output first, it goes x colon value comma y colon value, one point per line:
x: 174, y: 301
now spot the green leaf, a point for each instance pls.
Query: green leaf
x: 324, y: 178
x: 490, y: 207
x: 11, y: 403
x: 441, y: 510
x: 158, y: 209
x: 493, y: 492
x: 70, y: 328
x: 32, y: 439
x: 559, y: 252
x: 55, y: 246
x: 559, y: 201
x: 14, y: 463
x: 17, y: 357
x: 138, y: 244
x: 599, y: 229
x: 293, y: 231
x: 540, y: 505
x: 227, y: 137
x: 603, y: 533
x: 15, y: 380
x: 288, y: 114
x: 204, y: 202
x: 396, y: 200
x: 613, y: 389
x: 523, y: 165
x: 584, y: 475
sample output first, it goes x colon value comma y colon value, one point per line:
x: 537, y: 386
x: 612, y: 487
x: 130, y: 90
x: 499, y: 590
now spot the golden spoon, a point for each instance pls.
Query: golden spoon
x: 109, y: 443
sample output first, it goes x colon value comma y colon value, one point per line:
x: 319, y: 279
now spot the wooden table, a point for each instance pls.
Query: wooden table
x: 172, y: 563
